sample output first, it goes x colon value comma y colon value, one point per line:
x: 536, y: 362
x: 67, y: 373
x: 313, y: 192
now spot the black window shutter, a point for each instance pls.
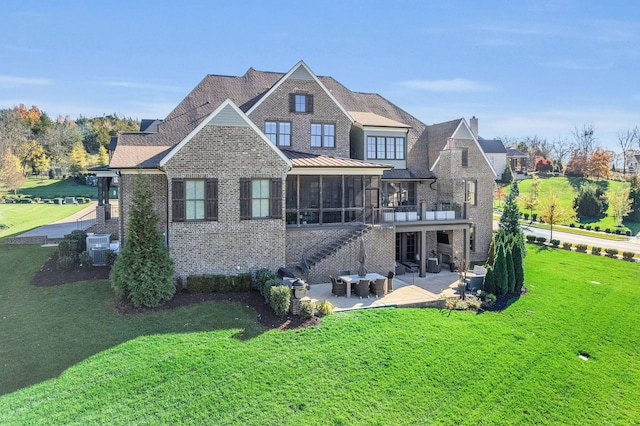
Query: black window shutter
x: 211, y: 199
x: 465, y: 157
x: 292, y: 102
x: 275, y: 199
x: 177, y: 200
x: 245, y: 198
x: 310, y: 104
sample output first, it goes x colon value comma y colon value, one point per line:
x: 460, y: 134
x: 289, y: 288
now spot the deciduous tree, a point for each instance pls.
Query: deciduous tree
x: 620, y: 204
x: 11, y: 172
x: 599, y: 163
x: 553, y: 213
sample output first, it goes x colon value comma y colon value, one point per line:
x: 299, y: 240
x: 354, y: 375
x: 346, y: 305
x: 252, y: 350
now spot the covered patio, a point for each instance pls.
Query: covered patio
x: 408, y: 290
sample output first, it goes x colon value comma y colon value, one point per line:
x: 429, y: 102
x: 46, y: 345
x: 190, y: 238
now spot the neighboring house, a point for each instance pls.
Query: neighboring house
x: 632, y: 166
x: 518, y: 162
x: 496, y: 153
x: 292, y: 169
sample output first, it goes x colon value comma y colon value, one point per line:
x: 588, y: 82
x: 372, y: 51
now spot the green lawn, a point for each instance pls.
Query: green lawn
x: 211, y: 364
x: 18, y: 218
x: 566, y: 190
x: 52, y: 188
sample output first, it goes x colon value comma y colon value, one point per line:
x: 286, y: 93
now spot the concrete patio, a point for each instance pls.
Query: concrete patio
x: 408, y: 290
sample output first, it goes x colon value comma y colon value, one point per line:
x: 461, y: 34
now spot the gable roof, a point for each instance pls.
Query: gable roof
x: 232, y: 114
x: 462, y: 131
x: 492, y: 146
x: 299, y: 69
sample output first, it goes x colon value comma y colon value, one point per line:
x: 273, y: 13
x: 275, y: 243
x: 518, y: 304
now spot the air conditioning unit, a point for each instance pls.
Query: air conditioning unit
x: 99, y: 255
x: 97, y: 246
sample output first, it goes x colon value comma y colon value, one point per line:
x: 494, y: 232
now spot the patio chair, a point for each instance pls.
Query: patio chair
x: 378, y: 287
x: 390, y: 281
x: 362, y: 288
x: 338, y: 288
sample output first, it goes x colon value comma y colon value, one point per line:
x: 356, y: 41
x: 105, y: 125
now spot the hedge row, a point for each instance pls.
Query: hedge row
x: 582, y: 248
x: 218, y: 283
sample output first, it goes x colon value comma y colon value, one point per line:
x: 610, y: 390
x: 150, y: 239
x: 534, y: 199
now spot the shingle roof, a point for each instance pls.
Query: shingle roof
x: 492, y: 146
x: 512, y: 152
x: 305, y: 159
x: 245, y: 91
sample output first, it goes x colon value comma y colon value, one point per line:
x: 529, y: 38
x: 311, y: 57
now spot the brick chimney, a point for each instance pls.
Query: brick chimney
x: 473, y: 123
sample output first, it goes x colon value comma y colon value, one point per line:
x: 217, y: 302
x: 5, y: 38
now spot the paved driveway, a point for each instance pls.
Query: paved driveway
x: 59, y: 229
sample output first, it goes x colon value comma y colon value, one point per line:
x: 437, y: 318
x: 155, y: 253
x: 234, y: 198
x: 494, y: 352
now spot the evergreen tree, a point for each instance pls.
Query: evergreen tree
x: 507, y: 175
x: 500, y: 272
x: 511, y: 213
x: 143, y: 271
x: 511, y: 272
x: 488, y: 285
x: 518, y: 267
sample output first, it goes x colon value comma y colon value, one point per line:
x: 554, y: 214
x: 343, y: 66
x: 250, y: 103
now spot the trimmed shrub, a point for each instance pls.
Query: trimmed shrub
x: 324, y: 308
x: 628, y: 255
x: 596, y: 228
x: 572, y: 225
x: 488, y: 283
x: 208, y: 283
x: 541, y: 240
x: 526, y: 216
x: 582, y: 248
x: 618, y: 232
x: 306, y: 310
x: 279, y: 299
x: 566, y: 246
x: 608, y: 231
x: 534, y: 216
x: 488, y: 300
x: 611, y: 252
x: 267, y: 287
x: 66, y: 263
x: 555, y: 243
x: 531, y: 239
x: 66, y: 248
x: 78, y: 239
x: 86, y: 262
x: 596, y: 250
x: 588, y: 227
x: 628, y: 233
x: 581, y: 226
x: 262, y: 276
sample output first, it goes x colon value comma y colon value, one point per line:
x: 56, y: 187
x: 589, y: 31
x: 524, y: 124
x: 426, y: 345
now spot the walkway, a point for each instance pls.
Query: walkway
x: 408, y: 290
x: 59, y: 229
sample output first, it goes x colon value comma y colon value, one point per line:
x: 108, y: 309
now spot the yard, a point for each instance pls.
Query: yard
x: 565, y: 353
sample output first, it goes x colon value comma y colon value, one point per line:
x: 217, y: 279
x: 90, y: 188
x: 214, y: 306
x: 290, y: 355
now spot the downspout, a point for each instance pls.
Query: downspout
x: 166, y: 226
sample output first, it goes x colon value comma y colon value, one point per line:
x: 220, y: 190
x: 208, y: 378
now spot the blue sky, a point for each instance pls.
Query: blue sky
x: 523, y: 68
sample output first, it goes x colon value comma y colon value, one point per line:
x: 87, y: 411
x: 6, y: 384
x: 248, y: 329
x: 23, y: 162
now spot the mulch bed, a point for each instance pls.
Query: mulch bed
x: 49, y: 275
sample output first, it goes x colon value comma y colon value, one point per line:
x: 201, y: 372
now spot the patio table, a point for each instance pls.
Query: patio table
x: 348, y: 279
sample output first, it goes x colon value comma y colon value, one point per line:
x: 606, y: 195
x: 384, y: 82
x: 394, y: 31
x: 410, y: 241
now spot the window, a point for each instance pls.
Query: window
x: 471, y: 192
x: 279, y: 132
x: 260, y: 198
x: 301, y: 103
x: 194, y: 199
x: 323, y: 135
x: 385, y: 148
x: 465, y: 157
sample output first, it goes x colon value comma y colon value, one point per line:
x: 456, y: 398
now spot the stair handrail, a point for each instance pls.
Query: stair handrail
x: 323, y: 244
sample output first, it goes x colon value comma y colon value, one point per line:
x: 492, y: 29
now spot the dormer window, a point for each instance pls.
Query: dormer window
x: 301, y: 103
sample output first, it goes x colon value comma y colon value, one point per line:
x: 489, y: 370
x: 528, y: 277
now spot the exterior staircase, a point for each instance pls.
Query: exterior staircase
x: 327, y: 248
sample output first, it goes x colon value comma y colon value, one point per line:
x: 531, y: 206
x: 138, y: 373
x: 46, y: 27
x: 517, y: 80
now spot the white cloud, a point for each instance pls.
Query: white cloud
x: 452, y: 85
x: 141, y: 86
x: 8, y: 81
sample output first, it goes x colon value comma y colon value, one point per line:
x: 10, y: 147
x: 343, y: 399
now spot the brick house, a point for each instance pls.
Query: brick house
x: 292, y: 169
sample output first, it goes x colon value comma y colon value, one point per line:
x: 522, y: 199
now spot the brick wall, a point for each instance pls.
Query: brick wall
x: 325, y: 110
x: 450, y: 165
x: 158, y: 185
x: 379, y: 248
x: 229, y: 245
